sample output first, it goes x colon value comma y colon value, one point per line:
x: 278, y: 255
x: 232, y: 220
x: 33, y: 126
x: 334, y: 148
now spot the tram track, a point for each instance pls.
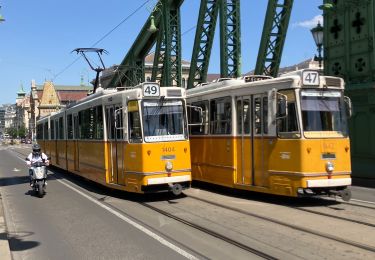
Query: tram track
x: 210, y: 232
x: 334, y: 216
x: 285, y: 224
x: 359, y: 205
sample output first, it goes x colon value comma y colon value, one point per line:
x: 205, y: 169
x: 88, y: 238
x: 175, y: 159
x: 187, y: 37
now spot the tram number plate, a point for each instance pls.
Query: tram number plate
x: 151, y: 90
x: 310, y: 78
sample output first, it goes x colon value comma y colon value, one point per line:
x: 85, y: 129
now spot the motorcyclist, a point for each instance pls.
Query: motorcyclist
x: 36, y: 156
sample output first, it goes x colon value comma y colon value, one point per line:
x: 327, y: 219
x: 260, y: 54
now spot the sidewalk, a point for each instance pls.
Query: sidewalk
x: 4, y: 244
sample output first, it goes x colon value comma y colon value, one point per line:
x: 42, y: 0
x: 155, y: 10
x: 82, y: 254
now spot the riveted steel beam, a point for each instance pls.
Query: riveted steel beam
x: 204, y: 36
x: 273, y: 37
x: 230, y: 39
x: 131, y: 70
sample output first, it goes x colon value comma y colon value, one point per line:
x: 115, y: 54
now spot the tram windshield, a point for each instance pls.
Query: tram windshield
x: 323, y: 113
x: 163, y: 120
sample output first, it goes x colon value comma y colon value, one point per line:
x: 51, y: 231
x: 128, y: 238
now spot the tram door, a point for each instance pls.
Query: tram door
x: 115, y: 144
x: 244, y: 146
x: 76, y: 138
x: 259, y: 137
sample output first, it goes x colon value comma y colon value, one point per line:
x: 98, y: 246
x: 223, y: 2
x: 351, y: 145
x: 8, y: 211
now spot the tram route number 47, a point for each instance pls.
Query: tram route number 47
x: 310, y: 78
x: 151, y: 90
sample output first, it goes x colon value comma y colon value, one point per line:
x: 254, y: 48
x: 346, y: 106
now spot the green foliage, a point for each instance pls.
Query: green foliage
x: 14, y: 132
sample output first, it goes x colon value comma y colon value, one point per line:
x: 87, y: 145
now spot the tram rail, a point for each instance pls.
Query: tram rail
x: 285, y: 224
x: 211, y: 232
x: 334, y: 216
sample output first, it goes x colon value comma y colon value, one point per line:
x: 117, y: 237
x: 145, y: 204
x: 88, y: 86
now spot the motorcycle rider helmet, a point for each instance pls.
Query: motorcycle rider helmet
x: 36, y: 149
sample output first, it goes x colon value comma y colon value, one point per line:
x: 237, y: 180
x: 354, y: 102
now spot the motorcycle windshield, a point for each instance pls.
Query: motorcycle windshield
x: 39, y: 172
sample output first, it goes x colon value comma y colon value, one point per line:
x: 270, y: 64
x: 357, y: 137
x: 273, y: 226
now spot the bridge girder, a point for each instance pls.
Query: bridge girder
x: 273, y: 37
x: 131, y: 70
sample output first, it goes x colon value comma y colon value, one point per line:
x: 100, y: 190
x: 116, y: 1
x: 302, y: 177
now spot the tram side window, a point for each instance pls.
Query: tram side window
x: 119, y: 123
x: 39, y: 132
x: 110, y: 122
x: 76, y: 126
x: 221, y: 116
x: 257, y: 116
x: 52, y: 129
x: 45, y: 131
x: 91, y: 123
x: 99, y: 133
x: 83, y: 124
x: 243, y: 116
x: 61, y: 128
x: 134, y: 122
x: 193, y: 117
x: 287, y: 127
x: 70, y: 126
x: 265, y: 115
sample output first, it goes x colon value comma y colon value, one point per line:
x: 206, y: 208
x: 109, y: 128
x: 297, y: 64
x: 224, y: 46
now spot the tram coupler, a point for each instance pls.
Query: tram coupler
x: 176, y: 188
x: 345, y: 194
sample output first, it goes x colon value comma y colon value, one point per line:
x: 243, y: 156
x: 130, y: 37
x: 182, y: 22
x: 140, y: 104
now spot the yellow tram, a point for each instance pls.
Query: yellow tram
x: 134, y: 139
x: 285, y: 136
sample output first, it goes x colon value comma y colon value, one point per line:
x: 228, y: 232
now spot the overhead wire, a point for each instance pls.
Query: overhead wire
x: 103, y: 37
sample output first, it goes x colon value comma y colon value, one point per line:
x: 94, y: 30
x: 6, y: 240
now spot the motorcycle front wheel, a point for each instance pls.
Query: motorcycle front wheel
x: 40, y: 189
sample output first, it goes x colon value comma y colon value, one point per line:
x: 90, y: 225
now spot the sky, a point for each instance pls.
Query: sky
x: 38, y: 36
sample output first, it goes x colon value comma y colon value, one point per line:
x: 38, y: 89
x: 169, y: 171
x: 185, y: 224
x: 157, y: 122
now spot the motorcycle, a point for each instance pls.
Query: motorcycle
x: 38, y: 178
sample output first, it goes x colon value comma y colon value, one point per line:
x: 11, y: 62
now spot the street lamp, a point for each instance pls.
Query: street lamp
x: 1, y: 17
x: 152, y: 28
x: 317, y: 34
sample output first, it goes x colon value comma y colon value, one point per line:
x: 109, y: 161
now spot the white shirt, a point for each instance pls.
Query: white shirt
x: 36, y: 158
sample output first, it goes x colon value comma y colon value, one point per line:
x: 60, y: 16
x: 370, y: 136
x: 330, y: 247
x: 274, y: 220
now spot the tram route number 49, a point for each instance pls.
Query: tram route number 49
x: 151, y: 90
x: 310, y: 78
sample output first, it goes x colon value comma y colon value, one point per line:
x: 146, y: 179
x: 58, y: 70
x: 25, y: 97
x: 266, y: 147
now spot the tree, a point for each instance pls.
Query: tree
x: 22, y: 132
x: 12, y: 132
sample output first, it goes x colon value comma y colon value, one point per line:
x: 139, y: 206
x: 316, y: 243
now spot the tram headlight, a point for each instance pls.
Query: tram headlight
x: 169, y: 166
x: 329, y: 167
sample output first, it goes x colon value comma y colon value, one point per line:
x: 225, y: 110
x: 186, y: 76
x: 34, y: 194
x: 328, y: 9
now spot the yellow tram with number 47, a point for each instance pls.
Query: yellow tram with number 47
x: 285, y: 136
x: 134, y: 139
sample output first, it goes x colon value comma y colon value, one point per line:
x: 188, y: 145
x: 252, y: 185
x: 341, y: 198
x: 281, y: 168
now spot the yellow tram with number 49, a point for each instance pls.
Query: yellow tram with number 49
x: 285, y: 136
x: 134, y: 139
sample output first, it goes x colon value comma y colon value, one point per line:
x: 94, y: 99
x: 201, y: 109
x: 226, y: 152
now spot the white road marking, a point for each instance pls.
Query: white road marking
x: 364, y: 201
x: 134, y: 224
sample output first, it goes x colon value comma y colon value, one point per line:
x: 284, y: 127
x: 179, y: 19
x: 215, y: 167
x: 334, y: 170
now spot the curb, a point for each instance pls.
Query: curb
x: 4, y: 242
x: 363, y: 182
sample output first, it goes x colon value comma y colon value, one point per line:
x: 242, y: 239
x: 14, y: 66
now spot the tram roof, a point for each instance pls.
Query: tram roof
x: 117, y: 94
x: 260, y: 83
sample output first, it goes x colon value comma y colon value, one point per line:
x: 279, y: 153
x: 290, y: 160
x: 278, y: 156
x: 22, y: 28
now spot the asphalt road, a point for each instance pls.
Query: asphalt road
x: 66, y: 224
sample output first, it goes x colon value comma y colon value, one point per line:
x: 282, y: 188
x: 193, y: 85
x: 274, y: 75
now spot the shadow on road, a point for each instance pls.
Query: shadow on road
x: 14, y: 180
x: 17, y: 242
